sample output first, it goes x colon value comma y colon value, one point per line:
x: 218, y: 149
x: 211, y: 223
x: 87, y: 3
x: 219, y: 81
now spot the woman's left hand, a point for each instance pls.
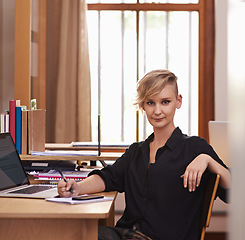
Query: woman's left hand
x: 193, y: 173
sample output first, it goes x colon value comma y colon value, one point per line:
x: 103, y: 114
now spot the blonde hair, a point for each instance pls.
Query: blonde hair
x: 153, y: 83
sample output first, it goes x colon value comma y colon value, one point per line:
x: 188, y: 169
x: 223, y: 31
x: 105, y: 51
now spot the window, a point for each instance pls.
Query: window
x: 128, y: 39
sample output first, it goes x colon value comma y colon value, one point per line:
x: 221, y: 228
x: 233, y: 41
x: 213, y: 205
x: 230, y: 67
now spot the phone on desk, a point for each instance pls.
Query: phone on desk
x: 87, y: 197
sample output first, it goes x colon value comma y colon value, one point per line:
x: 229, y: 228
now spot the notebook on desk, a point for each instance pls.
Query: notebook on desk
x: 13, y: 179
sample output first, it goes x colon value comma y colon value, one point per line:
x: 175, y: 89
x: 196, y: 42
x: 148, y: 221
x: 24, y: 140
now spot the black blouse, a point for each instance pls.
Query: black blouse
x: 155, y: 197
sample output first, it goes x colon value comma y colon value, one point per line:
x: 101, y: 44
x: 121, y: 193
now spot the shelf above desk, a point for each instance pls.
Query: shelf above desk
x: 103, y: 157
x: 68, y: 146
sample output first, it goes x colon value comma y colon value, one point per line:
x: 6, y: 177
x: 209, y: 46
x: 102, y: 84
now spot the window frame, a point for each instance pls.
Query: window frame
x: 205, y: 8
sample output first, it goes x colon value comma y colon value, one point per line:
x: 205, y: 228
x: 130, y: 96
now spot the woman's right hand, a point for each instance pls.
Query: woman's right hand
x: 91, y: 184
x: 64, y: 188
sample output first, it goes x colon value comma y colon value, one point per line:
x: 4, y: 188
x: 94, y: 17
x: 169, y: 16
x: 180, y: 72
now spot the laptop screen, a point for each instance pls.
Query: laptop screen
x: 12, y: 173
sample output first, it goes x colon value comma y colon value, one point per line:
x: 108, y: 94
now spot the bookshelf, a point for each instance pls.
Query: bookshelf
x: 30, y: 51
x: 23, y: 51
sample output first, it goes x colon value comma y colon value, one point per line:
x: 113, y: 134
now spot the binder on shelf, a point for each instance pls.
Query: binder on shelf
x: 18, y: 129
x: 24, y: 132
x: 36, y: 130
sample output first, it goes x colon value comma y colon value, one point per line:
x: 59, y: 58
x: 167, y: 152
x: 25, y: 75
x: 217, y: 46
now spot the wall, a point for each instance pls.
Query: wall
x: 221, y: 65
x: 6, y: 52
x: 219, y: 222
x: 230, y: 89
x: 236, y: 86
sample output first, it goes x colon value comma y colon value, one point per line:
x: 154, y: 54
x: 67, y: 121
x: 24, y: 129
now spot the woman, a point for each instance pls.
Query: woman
x: 163, y: 177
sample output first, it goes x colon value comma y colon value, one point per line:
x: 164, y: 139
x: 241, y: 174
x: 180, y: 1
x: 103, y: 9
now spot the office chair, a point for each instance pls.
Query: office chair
x: 208, y: 200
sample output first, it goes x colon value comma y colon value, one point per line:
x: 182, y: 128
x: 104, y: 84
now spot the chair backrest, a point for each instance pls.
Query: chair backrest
x: 208, y: 200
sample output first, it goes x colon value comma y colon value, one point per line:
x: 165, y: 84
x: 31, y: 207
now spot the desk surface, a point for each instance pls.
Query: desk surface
x: 39, y: 208
x: 37, y: 219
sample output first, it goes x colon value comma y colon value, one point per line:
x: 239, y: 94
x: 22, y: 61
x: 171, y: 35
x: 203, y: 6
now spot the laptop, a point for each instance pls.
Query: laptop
x: 219, y: 139
x: 13, y: 178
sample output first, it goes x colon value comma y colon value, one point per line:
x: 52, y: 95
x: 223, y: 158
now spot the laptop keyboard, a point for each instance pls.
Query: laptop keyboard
x: 32, y: 189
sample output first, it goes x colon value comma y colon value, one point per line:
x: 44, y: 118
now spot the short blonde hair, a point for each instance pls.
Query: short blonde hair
x: 153, y: 83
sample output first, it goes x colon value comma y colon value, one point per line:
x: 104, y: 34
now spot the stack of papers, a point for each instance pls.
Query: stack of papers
x: 55, y: 175
x: 71, y: 201
x: 95, y: 144
x: 64, y: 153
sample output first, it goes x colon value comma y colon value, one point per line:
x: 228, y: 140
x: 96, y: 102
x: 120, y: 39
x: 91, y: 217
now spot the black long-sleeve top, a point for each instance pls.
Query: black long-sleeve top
x: 155, y: 197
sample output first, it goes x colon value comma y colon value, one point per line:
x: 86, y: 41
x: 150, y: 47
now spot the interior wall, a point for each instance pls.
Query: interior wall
x: 221, y: 65
x: 230, y: 101
x: 7, y: 13
x: 236, y: 81
x: 1, y: 50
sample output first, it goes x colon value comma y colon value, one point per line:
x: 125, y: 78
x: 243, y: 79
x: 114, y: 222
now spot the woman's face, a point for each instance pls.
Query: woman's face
x: 160, y: 108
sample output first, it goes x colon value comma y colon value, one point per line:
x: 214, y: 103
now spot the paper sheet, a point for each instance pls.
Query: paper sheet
x: 70, y: 201
x: 64, y: 153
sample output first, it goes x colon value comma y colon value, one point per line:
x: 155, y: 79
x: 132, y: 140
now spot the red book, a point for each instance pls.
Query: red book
x: 12, y: 117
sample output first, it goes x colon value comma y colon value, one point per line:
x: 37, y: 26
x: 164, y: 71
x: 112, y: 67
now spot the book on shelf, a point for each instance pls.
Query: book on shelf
x: 24, y: 132
x: 27, y: 127
x: 12, y: 118
x: 13, y: 104
x: 18, y: 129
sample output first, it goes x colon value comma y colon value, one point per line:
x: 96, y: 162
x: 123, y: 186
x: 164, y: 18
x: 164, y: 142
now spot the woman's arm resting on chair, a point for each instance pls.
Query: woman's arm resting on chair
x: 193, y: 173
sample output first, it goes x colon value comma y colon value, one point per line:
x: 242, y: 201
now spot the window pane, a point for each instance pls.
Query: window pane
x: 183, y: 61
x: 166, y: 40
x: 92, y: 19
x: 129, y: 76
x: 111, y: 1
x: 170, y: 40
x: 170, y: 1
x: 152, y: 53
x: 117, y: 75
x: 111, y: 75
x: 143, y: 1
x: 152, y: 43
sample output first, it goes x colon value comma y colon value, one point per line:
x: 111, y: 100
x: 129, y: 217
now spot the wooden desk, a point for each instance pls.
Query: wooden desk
x: 36, y: 219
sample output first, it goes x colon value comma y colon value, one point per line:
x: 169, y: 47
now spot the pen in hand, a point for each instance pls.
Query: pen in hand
x: 62, y: 175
